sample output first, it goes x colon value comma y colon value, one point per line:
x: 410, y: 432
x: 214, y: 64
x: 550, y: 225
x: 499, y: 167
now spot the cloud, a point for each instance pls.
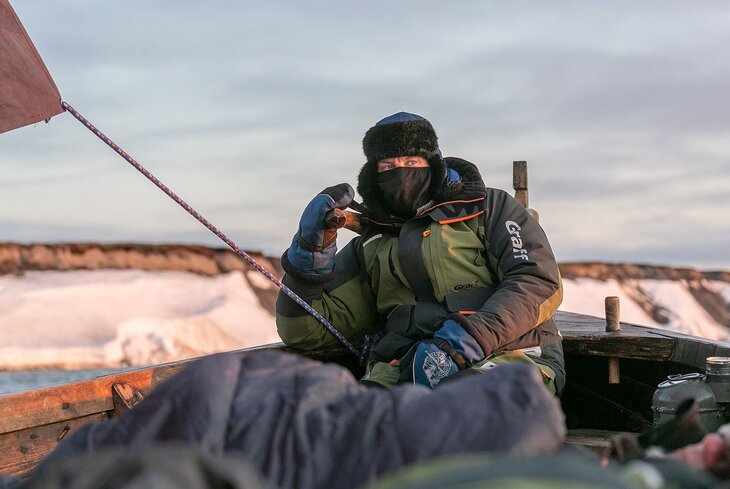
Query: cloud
x: 248, y: 109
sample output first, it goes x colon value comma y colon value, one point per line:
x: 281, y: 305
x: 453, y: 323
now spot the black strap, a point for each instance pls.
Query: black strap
x: 451, y: 351
x: 410, y: 256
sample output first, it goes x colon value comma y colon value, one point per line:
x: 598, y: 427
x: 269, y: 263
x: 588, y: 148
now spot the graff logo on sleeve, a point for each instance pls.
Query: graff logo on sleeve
x: 518, y: 250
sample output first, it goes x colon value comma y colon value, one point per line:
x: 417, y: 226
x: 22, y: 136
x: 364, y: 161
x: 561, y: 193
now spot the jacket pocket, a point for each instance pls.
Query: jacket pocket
x: 469, y: 300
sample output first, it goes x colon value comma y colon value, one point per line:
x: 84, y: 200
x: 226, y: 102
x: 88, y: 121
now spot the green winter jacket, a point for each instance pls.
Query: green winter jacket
x: 477, y: 257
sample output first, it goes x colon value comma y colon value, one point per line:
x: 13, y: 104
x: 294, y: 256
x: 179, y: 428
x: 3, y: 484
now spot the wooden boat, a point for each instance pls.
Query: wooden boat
x: 611, y: 377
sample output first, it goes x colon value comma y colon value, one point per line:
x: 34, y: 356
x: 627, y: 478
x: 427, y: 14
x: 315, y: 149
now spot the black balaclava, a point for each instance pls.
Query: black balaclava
x: 400, y: 191
x: 404, y: 189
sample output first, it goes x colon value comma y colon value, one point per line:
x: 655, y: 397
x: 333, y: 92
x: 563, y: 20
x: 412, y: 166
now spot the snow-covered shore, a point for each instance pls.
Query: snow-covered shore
x: 678, y: 308
x: 85, y: 306
x: 108, y: 318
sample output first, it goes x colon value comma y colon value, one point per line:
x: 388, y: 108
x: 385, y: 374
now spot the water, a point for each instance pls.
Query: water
x: 29, y: 380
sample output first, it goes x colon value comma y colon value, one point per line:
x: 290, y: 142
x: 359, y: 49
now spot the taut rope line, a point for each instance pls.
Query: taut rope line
x: 214, y: 230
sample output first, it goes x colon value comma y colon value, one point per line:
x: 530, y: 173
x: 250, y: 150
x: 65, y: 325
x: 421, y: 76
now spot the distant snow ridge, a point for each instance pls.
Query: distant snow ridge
x: 682, y: 300
x: 108, y: 318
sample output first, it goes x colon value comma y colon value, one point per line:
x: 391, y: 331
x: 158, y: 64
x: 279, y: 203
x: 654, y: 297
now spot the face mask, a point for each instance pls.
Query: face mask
x: 405, y: 189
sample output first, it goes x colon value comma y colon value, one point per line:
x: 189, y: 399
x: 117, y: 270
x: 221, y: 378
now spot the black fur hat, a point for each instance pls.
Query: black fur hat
x: 400, y: 134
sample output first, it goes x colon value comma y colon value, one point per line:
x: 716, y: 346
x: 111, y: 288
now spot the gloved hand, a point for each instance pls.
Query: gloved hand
x: 451, y: 349
x: 312, y: 252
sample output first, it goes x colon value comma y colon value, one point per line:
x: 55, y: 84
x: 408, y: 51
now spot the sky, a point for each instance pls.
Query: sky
x: 249, y: 109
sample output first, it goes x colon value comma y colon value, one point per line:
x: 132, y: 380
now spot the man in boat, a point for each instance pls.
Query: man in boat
x: 456, y: 277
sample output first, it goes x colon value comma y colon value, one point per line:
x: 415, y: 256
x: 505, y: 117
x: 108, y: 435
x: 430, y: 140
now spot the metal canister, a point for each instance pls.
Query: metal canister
x: 718, y: 377
x: 677, y: 388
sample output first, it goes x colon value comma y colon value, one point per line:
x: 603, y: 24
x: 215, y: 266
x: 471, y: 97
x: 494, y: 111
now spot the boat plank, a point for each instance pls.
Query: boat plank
x: 694, y: 351
x: 640, y: 348
x: 23, y: 449
x: 26, y: 409
x: 598, y: 441
x: 587, y: 335
x: 34, y: 408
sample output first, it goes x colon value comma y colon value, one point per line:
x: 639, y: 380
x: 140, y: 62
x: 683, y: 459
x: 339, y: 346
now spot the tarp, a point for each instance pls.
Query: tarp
x: 308, y: 425
x: 27, y: 91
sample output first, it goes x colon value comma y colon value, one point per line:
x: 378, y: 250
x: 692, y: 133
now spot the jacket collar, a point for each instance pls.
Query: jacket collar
x: 453, y: 201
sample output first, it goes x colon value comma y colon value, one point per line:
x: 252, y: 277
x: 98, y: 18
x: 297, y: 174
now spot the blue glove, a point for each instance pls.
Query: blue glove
x: 431, y: 365
x: 451, y: 349
x: 312, y: 252
x: 457, y: 338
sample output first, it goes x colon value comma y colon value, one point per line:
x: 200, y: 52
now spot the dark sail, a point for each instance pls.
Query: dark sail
x: 27, y: 92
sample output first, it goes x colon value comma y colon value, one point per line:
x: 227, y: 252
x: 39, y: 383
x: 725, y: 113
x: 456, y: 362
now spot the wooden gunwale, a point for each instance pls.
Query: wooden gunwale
x: 586, y: 335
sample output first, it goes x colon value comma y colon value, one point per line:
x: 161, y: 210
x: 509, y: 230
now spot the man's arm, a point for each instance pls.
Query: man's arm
x: 330, y: 282
x: 345, y: 301
x: 529, y: 289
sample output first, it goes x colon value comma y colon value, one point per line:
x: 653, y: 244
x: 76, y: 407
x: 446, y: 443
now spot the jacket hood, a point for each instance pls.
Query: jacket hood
x: 468, y: 186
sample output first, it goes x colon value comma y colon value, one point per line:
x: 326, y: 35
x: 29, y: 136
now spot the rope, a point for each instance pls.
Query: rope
x: 215, y: 231
x: 369, y: 342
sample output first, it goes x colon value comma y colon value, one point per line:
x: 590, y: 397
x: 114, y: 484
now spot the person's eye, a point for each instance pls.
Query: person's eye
x: 411, y: 162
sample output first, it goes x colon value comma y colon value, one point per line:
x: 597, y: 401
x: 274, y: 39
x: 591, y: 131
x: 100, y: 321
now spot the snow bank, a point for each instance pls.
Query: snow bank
x: 86, y: 319
x: 722, y: 288
x: 672, y: 298
x: 111, y: 318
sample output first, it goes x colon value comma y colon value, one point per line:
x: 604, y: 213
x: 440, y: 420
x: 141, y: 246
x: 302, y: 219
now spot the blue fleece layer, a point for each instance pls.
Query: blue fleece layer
x: 452, y: 176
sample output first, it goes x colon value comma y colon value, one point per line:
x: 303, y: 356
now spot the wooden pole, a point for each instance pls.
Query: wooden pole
x: 613, y: 325
x: 519, y: 184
